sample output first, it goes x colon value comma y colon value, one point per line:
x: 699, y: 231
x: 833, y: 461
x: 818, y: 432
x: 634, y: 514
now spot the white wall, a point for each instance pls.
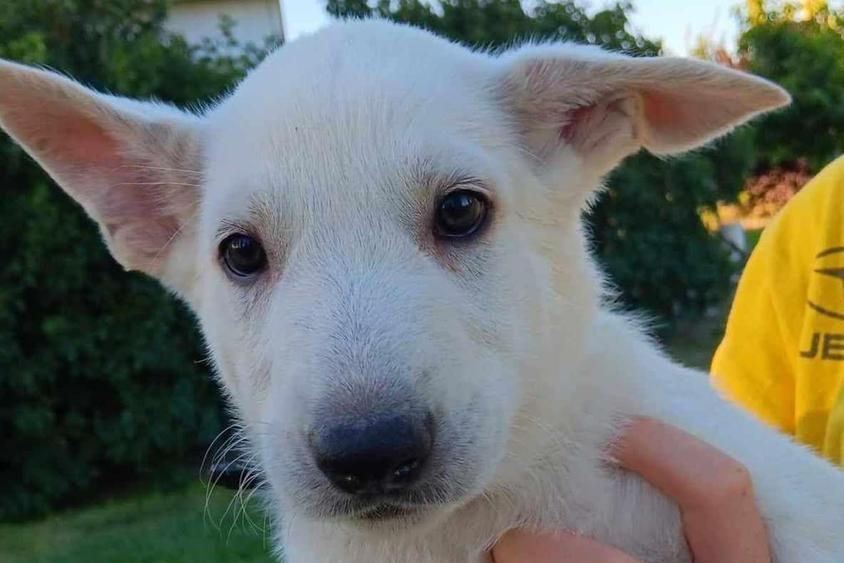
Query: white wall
x: 197, y: 19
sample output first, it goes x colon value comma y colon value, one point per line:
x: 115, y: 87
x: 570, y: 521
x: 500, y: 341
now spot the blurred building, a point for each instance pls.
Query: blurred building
x: 254, y: 20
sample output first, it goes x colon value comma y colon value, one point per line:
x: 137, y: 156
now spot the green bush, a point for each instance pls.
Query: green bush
x: 101, y: 372
x: 646, y: 226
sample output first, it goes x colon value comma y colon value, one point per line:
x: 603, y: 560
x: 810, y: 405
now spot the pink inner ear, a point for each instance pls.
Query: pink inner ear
x: 662, y: 113
x: 81, y: 143
x: 67, y: 140
x: 132, y: 172
x: 127, y: 199
x: 576, y: 118
x: 102, y: 178
x: 674, y: 120
x: 82, y: 155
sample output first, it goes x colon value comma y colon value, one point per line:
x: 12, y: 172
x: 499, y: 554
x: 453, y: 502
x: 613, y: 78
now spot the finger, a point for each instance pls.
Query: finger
x: 522, y: 547
x: 714, y: 492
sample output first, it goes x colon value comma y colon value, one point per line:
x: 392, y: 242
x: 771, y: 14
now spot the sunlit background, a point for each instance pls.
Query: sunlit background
x: 677, y: 23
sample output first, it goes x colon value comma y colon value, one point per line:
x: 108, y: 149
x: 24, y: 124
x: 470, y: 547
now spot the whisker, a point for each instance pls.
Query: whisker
x: 211, y: 445
x: 229, y: 506
x: 162, y: 183
x: 174, y: 236
x: 245, y: 483
x: 237, y: 438
x: 163, y: 169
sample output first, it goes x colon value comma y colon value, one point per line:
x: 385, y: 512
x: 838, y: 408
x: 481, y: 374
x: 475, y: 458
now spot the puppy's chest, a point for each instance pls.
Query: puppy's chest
x: 613, y: 507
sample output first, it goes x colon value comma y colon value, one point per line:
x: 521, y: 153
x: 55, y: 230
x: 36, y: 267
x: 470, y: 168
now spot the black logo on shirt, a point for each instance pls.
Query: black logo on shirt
x: 827, y: 346
x: 833, y: 272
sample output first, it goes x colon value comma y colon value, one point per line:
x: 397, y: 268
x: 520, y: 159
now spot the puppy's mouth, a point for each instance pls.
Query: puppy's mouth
x: 384, y: 512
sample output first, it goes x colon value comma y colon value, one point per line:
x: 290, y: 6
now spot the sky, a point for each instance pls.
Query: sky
x: 677, y: 22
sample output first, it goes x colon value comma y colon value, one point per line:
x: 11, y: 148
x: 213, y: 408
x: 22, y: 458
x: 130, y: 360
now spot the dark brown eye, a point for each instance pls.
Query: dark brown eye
x: 460, y: 214
x: 243, y: 255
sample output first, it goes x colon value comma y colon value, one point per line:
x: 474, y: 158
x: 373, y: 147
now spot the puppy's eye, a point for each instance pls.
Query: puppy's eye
x: 242, y: 255
x: 460, y: 214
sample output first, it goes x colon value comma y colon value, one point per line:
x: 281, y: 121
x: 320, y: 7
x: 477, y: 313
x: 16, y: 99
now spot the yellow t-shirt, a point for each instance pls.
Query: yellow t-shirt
x: 782, y: 356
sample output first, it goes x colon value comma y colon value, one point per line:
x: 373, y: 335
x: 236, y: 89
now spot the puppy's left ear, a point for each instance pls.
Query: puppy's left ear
x: 605, y: 106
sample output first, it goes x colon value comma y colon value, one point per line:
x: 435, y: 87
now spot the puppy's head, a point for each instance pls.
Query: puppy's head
x: 378, y: 231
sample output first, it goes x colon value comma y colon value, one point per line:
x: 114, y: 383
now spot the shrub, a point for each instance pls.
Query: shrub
x: 805, y: 55
x: 101, y: 372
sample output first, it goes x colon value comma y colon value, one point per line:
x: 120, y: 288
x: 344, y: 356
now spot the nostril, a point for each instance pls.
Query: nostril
x: 376, y: 455
x: 348, y: 482
x: 406, y: 470
x: 404, y: 474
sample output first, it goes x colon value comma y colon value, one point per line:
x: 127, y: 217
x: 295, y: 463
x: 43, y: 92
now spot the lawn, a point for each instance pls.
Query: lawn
x: 176, y: 528
x: 143, y: 528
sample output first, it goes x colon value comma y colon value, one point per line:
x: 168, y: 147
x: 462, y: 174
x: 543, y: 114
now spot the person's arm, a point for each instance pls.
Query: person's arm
x: 772, y: 359
x: 714, y: 492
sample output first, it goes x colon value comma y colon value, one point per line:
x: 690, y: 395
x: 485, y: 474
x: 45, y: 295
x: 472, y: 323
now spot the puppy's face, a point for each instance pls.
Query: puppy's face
x: 379, y: 234
x: 380, y: 347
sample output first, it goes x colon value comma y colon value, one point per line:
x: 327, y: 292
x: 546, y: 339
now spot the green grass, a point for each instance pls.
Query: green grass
x: 146, y: 528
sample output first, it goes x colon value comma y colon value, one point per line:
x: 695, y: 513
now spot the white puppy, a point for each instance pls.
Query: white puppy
x: 380, y: 233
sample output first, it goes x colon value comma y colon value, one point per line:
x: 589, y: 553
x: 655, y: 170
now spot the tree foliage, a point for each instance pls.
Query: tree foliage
x: 101, y: 372
x: 646, y: 226
x: 801, y: 46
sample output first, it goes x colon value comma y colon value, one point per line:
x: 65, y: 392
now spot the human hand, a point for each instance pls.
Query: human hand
x: 720, y: 518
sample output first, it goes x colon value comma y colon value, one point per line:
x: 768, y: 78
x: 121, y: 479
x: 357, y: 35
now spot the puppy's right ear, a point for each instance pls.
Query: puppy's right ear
x: 133, y: 166
x: 601, y: 107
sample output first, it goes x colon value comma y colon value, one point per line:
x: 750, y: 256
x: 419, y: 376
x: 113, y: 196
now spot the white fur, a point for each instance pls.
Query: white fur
x: 332, y: 152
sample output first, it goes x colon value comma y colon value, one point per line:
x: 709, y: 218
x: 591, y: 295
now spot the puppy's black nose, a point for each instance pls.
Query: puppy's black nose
x: 383, y: 454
